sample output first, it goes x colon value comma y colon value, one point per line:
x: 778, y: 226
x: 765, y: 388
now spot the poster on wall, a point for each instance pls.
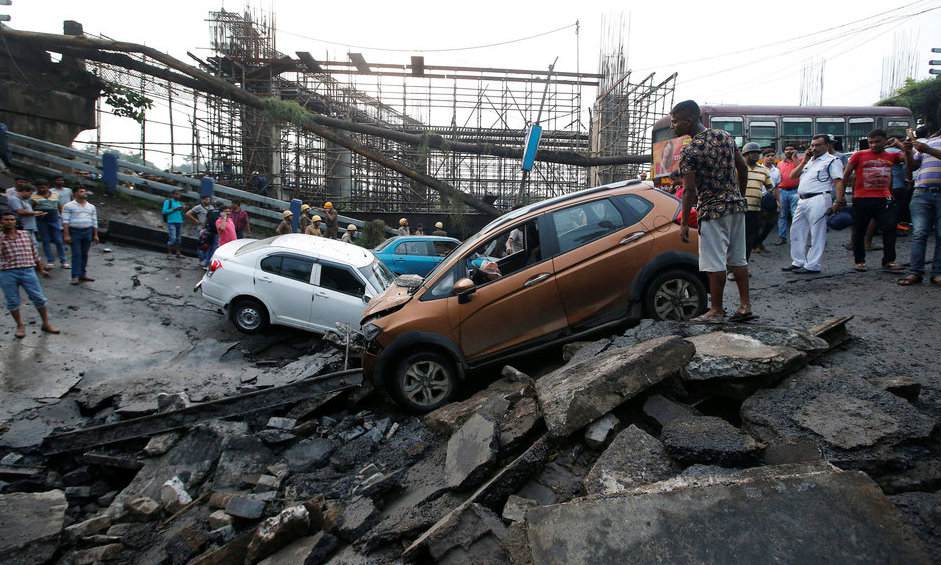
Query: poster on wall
x: 666, y: 155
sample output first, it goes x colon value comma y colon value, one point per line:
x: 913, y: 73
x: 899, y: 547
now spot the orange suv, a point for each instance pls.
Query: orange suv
x: 538, y: 276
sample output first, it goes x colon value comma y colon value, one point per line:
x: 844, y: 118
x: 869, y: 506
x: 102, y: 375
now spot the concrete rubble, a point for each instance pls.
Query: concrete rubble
x: 671, y: 442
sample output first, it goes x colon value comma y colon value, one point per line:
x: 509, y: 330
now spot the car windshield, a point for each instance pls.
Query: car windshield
x: 378, y: 275
x: 255, y: 245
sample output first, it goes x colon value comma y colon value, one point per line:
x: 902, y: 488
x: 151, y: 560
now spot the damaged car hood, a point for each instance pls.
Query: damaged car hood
x: 398, y: 293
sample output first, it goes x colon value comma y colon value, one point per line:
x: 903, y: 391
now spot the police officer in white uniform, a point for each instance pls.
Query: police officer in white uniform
x: 820, y: 174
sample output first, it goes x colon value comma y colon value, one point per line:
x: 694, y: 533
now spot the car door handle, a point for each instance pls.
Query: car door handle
x: 264, y: 279
x: 321, y: 293
x: 536, y: 279
x: 632, y: 237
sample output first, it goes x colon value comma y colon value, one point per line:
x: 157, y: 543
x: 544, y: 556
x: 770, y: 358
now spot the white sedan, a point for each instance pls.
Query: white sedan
x: 295, y: 280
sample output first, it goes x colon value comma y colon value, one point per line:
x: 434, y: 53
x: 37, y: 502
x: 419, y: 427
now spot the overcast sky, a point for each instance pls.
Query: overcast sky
x: 722, y: 52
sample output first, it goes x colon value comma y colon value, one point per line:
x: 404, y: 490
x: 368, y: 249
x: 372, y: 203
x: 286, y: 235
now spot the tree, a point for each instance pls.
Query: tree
x: 922, y: 97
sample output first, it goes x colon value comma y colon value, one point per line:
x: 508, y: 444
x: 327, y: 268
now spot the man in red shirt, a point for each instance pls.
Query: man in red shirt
x: 872, y: 198
x: 18, y: 263
x: 787, y: 193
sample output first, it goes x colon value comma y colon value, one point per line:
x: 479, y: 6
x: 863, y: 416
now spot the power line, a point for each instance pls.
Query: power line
x: 446, y: 50
x: 781, y: 41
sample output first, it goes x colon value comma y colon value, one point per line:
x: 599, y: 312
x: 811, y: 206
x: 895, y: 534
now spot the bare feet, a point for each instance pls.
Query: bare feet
x: 20, y: 332
x: 50, y: 329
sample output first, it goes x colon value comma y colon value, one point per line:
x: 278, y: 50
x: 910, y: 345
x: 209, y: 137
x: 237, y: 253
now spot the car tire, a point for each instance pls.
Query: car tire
x: 675, y: 295
x: 424, y: 380
x: 249, y: 316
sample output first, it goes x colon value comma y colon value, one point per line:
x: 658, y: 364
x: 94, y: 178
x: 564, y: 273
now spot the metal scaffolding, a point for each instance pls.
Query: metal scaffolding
x: 482, y: 105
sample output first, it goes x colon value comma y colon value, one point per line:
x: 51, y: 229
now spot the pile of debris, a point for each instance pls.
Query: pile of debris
x: 672, y: 442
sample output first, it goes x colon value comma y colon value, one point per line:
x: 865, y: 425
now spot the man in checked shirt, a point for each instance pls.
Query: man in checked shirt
x: 18, y: 263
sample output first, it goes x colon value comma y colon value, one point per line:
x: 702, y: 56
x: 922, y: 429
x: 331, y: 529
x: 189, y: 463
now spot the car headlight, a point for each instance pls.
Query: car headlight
x: 371, y: 332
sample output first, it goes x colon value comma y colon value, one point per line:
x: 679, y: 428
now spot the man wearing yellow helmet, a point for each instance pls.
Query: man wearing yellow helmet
x: 305, y: 217
x: 330, y: 219
x: 314, y: 227
x: 403, y: 227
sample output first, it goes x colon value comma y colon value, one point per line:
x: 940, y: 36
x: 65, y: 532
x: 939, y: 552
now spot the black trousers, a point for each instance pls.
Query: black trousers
x: 753, y: 225
x: 903, y: 198
x: 883, y: 211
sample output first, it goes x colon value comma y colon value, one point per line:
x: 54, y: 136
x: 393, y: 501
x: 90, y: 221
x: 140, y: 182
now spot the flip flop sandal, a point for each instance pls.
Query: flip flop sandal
x: 20, y: 334
x: 707, y: 319
x: 893, y: 268
x: 910, y: 280
x: 742, y: 317
x: 860, y: 267
x: 50, y: 331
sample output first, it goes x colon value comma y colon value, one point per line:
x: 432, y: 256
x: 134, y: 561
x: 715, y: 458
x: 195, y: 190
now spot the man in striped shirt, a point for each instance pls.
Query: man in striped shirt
x: 80, y: 228
x: 18, y: 263
x: 759, y: 181
x: 925, y: 206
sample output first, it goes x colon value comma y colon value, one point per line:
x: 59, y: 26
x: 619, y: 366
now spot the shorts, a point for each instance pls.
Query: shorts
x: 722, y: 243
x: 12, y: 279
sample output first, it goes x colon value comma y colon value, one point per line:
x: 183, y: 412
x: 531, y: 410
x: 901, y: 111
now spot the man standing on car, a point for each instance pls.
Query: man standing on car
x: 787, y: 193
x: 819, y: 173
x: 714, y: 176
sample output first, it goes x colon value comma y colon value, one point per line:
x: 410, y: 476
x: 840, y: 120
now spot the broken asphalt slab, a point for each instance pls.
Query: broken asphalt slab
x: 709, y: 440
x: 784, y: 514
x: 633, y: 459
x: 576, y: 395
x: 30, y: 526
x: 854, y: 423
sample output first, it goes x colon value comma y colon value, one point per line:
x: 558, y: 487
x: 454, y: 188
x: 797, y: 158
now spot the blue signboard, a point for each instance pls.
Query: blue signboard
x: 533, y: 135
x: 109, y: 170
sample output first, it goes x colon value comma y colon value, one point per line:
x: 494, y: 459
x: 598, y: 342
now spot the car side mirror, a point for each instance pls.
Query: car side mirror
x: 463, y: 289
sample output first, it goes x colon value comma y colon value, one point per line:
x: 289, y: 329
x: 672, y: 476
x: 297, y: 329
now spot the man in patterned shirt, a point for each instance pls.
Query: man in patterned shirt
x: 18, y: 263
x: 714, y: 176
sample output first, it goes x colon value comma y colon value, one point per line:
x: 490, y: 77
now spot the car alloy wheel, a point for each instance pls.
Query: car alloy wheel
x: 426, y: 383
x: 677, y: 295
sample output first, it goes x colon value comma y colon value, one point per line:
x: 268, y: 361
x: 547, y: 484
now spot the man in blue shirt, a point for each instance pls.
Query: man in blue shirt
x: 173, y: 215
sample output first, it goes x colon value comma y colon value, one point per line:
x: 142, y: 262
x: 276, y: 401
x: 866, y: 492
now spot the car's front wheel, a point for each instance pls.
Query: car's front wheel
x: 249, y: 315
x: 675, y: 295
x: 424, y: 380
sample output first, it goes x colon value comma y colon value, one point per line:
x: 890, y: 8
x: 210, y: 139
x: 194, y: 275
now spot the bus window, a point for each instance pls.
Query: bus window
x: 897, y: 128
x: 735, y: 126
x: 764, y: 133
x: 835, y: 127
x: 797, y: 131
x: 859, y: 128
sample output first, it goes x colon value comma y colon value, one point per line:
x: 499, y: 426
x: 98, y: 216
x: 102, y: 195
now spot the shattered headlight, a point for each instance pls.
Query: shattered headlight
x: 371, y: 332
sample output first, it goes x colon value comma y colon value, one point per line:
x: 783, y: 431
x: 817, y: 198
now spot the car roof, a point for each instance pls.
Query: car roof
x: 324, y: 248
x: 398, y: 238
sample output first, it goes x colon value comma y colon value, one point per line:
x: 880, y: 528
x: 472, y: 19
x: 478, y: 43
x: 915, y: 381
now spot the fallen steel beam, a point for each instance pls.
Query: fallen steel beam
x: 833, y: 331
x: 248, y: 403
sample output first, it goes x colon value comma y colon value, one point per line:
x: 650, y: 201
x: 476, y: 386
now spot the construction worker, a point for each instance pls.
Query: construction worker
x: 305, y: 217
x: 314, y: 227
x: 350, y: 234
x: 403, y: 227
x: 439, y: 229
x: 331, y: 220
x: 285, y: 226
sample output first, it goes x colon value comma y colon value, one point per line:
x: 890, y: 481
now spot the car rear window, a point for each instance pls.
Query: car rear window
x: 295, y: 268
x: 634, y: 208
x: 577, y: 225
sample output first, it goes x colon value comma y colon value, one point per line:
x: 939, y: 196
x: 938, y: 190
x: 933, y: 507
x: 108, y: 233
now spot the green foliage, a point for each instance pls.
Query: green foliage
x: 922, y: 97
x: 374, y: 233
x: 126, y: 102
x: 285, y: 111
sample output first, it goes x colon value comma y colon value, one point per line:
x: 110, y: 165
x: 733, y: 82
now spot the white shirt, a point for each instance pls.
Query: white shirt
x: 819, y: 174
x: 775, y: 175
x: 75, y: 215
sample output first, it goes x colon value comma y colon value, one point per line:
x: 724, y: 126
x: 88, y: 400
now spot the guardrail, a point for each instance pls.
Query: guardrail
x: 263, y: 210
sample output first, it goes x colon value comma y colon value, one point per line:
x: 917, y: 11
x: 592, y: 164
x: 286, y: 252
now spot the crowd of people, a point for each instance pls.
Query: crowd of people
x: 33, y: 213
x: 741, y: 195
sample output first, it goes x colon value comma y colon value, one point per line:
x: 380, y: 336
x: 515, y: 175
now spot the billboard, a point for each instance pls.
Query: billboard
x: 666, y: 155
